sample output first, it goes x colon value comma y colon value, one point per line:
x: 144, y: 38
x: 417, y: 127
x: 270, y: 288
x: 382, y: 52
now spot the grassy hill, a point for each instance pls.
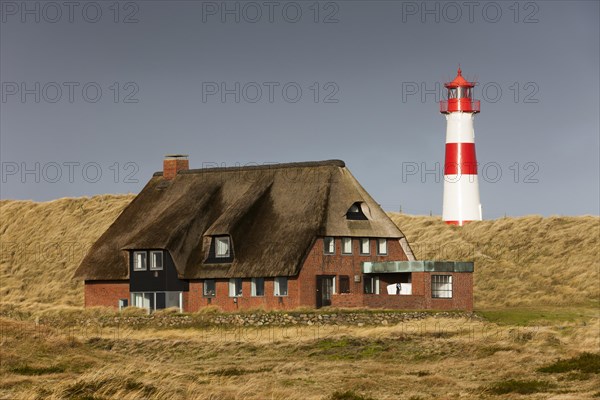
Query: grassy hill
x: 528, y: 261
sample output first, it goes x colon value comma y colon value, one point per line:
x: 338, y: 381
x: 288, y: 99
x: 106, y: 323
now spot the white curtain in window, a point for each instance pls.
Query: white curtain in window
x: 364, y: 246
x: 382, y: 246
x: 347, y: 245
x: 140, y: 260
x: 281, y: 287
x: 222, y: 249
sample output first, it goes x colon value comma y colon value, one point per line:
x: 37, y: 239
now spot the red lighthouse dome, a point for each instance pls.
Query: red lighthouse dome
x: 460, y: 96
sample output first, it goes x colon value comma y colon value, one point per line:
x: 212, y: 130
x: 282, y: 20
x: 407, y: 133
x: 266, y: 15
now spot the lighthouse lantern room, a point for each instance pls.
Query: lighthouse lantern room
x: 461, y: 187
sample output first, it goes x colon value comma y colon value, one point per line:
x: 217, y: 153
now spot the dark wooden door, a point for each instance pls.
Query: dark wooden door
x: 324, y: 290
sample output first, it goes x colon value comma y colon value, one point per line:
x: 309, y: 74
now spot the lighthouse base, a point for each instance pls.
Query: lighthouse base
x: 458, y: 223
x: 461, y: 199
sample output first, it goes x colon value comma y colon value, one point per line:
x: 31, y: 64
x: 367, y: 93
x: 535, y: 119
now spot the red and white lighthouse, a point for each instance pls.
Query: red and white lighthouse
x: 461, y: 188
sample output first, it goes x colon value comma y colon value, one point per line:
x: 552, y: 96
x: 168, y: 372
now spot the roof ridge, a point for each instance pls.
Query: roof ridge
x: 302, y: 164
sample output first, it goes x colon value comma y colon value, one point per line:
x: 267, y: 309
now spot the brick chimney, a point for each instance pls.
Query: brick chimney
x: 173, y: 163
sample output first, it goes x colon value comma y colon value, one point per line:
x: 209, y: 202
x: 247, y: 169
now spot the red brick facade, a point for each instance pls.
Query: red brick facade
x: 105, y: 293
x: 302, y: 289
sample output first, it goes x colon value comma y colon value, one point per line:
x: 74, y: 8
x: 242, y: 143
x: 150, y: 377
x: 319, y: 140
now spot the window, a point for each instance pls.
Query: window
x: 355, y: 212
x: 371, y: 284
x: 152, y: 301
x: 381, y: 247
x: 344, y: 284
x: 365, y: 246
x: 222, y: 247
x: 142, y: 300
x: 441, y: 286
x: 235, y: 287
x: 210, y: 288
x: 258, y: 287
x: 281, y: 286
x: 346, y: 245
x: 139, y: 260
x: 329, y: 245
x: 156, y: 260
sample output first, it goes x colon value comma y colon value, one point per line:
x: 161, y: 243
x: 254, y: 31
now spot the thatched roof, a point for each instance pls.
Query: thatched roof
x: 273, y: 214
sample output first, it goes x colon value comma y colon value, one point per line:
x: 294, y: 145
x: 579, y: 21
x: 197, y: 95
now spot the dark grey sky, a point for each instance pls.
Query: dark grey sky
x: 362, y: 69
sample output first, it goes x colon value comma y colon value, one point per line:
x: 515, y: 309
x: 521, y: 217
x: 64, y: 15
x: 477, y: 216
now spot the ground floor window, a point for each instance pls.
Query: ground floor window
x: 280, y: 287
x: 258, y: 287
x: 235, y: 287
x: 210, y: 288
x: 371, y: 284
x: 441, y: 286
x: 344, y: 284
x: 153, y: 301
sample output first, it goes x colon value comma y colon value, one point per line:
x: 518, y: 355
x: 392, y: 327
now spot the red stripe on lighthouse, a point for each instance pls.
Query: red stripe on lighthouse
x: 460, y: 159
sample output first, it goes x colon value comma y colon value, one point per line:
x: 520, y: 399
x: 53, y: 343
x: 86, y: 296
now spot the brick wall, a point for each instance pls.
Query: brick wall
x: 105, y: 293
x: 462, y: 294
x: 196, y: 300
x: 318, y: 263
x: 302, y: 289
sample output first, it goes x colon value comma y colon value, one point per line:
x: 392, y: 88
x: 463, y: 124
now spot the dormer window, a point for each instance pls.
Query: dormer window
x: 222, y: 247
x: 139, y: 260
x: 156, y: 260
x: 355, y: 212
x: 221, y: 250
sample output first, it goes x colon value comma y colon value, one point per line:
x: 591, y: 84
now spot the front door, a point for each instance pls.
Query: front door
x: 324, y: 290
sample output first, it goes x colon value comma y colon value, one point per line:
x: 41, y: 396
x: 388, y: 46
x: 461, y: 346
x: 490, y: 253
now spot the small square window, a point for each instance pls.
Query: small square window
x: 441, y: 286
x: 156, y: 260
x: 346, y: 245
x: 139, y: 260
x: 382, y: 247
x: 344, y: 284
x: 365, y: 246
x: 280, y: 288
x: 235, y: 287
x: 258, y: 287
x: 210, y: 288
x: 329, y: 245
x: 222, y: 247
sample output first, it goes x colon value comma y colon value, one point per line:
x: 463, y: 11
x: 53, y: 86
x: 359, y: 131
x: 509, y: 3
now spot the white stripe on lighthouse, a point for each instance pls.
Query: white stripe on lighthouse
x: 461, y: 198
x: 459, y: 128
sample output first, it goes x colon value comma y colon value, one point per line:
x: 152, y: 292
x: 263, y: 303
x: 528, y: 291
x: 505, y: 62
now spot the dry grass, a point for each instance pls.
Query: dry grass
x: 528, y: 261
x: 470, y: 360
x: 42, y: 244
x: 525, y: 261
x: 528, y: 266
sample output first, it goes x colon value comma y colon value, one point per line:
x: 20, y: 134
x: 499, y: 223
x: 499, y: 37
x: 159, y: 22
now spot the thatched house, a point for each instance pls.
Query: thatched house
x: 274, y: 236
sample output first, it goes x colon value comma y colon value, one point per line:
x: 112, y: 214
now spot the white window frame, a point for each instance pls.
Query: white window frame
x: 442, y: 286
x: 382, y: 243
x: 234, y: 291
x: 277, y: 285
x: 204, y: 291
x: 136, y: 266
x: 148, y: 298
x: 346, y: 245
x: 253, y: 287
x: 153, y: 267
x: 218, y: 241
x: 326, y: 250
x: 362, y: 245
